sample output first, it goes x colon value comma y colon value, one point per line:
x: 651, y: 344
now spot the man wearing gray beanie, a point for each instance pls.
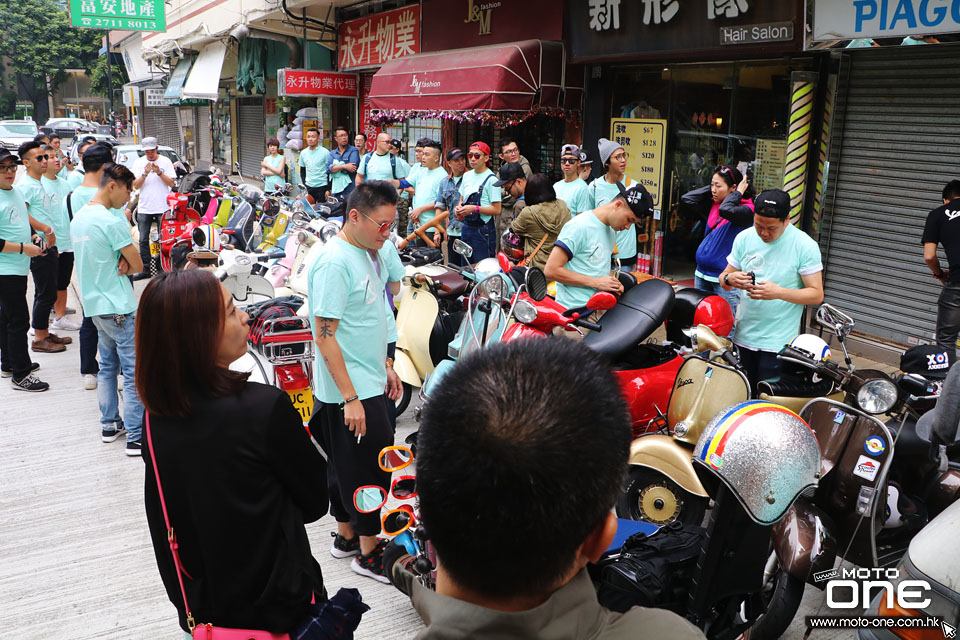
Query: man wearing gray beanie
x: 607, y: 187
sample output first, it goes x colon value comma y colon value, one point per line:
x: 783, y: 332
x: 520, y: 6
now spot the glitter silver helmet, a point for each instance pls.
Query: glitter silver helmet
x: 764, y: 453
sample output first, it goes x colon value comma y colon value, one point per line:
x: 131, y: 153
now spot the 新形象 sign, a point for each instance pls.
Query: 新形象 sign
x: 128, y: 15
x: 854, y: 19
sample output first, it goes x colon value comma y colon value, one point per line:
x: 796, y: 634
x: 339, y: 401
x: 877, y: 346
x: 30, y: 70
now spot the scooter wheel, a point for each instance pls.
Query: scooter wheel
x: 404, y: 400
x: 781, y: 596
x: 650, y: 496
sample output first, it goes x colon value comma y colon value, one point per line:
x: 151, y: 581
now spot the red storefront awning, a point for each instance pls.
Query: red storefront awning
x: 503, y: 77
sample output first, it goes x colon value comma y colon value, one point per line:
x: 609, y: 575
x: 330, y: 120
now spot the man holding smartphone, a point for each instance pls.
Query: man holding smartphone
x: 155, y: 177
x: 780, y: 270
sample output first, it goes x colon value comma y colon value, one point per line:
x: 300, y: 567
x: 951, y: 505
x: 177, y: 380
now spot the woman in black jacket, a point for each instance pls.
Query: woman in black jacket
x: 239, y: 473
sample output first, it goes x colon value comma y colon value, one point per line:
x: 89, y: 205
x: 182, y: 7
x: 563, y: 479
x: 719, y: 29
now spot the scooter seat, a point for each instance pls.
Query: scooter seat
x: 452, y: 284
x: 795, y: 388
x: 637, y: 315
x: 909, y: 443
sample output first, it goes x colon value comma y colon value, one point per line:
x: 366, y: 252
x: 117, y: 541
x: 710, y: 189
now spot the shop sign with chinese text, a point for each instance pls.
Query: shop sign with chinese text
x: 128, y: 15
x: 372, y: 40
x: 645, y: 141
x: 624, y: 29
x: 326, y: 84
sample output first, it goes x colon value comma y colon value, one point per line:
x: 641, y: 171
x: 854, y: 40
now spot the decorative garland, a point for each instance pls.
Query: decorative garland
x: 499, y: 119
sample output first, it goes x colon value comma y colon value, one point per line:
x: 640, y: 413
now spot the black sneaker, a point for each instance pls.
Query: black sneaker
x: 29, y: 382
x: 6, y: 373
x: 133, y: 447
x: 343, y: 548
x: 372, y: 565
x: 111, y: 434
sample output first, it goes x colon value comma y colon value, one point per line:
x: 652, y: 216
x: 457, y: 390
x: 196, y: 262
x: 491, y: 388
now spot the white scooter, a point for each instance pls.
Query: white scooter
x: 242, y: 274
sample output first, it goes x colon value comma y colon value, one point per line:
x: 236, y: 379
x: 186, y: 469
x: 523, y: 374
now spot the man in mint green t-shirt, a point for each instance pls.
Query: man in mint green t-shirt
x: 313, y: 167
x: 779, y: 269
x: 426, y: 184
x: 353, y: 376
x: 580, y: 259
x: 57, y: 189
x: 572, y: 189
x: 606, y: 188
x: 105, y: 254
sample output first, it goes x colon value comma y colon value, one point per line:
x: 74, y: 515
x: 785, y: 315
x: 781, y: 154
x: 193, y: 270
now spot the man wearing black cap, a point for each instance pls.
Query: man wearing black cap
x: 580, y: 260
x: 513, y: 181
x: 449, y: 198
x: 943, y: 227
x: 780, y: 270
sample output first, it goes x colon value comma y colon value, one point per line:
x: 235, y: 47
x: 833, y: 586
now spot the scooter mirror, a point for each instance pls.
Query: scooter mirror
x: 504, y: 262
x: 369, y: 498
x: 536, y: 283
x: 462, y: 248
x: 396, y: 521
x: 395, y: 457
x: 601, y: 301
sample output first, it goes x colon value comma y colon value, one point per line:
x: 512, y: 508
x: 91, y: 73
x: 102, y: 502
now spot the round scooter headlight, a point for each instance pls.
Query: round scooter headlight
x: 525, y: 312
x: 493, y: 287
x: 328, y: 231
x: 877, y: 396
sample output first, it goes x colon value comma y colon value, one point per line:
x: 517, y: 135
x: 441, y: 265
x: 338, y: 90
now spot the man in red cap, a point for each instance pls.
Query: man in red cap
x: 481, y: 201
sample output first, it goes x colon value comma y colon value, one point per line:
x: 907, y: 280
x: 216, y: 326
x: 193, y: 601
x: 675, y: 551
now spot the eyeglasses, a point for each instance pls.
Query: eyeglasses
x: 7, y: 168
x: 511, y: 151
x: 475, y: 156
x: 569, y: 160
x: 621, y: 156
x: 381, y: 227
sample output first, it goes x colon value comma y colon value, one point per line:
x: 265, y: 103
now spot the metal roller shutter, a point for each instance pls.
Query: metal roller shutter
x: 163, y: 123
x: 203, y: 136
x: 899, y: 132
x: 252, y: 134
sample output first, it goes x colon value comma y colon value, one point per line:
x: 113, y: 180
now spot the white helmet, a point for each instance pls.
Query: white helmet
x: 812, y: 346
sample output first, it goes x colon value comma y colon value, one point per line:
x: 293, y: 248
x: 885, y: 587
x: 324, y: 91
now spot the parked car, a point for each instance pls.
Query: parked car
x: 69, y: 128
x: 13, y: 133
x: 73, y: 150
x: 127, y: 154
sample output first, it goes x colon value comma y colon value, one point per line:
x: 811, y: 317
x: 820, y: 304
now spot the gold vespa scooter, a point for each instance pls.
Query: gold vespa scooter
x: 662, y: 485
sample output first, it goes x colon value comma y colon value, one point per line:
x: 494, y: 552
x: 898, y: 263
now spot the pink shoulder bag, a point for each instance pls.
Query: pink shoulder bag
x: 199, y: 631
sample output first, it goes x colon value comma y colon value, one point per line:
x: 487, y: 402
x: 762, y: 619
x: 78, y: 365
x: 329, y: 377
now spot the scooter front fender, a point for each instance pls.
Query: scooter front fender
x: 805, y: 544
x: 663, y: 454
x: 403, y: 365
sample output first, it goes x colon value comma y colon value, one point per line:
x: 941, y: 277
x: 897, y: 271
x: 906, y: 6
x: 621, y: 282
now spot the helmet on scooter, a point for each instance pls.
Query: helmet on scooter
x: 765, y: 454
x: 693, y: 307
x: 512, y: 245
x: 813, y: 347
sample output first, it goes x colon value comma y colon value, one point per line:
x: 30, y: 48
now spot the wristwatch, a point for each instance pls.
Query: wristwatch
x: 389, y: 363
x: 725, y: 279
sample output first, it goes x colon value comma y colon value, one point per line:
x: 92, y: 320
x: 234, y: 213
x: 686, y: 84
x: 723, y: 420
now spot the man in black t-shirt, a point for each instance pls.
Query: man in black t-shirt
x: 943, y: 227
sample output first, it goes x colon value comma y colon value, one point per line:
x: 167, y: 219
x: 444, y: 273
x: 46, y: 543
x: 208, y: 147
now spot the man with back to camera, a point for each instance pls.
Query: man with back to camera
x: 313, y: 167
x: 780, y: 270
x: 155, y: 177
x: 511, y: 557
x: 942, y: 228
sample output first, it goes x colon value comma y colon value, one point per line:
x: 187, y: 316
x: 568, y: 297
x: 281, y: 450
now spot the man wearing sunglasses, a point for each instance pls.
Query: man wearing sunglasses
x: 353, y: 376
x: 516, y: 487
x: 16, y: 250
x: 43, y: 267
x: 572, y: 189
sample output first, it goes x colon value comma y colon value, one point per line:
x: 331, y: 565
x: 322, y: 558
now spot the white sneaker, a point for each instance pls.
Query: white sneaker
x: 89, y: 381
x: 63, y: 324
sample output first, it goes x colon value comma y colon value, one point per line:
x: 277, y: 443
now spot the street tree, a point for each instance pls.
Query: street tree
x: 39, y: 43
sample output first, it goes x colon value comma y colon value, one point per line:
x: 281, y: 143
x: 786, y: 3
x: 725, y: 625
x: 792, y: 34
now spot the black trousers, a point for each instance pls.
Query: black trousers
x: 45, y: 275
x: 89, y: 342
x: 319, y: 193
x: 14, y: 322
x: 144, y: 222
x: 759, y: 366
x: 64, y: 270
x: 948, y: 319
x: 351, y: 465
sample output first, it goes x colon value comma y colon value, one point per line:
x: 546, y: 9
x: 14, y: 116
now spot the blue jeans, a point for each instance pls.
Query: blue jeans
x: 732, y: 297
x: 118, y: 354
x: 482, y: 239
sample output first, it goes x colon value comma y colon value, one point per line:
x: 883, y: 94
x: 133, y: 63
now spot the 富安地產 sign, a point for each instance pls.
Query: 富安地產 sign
x: 855, y: 19
x: 326, y: 84
x: 128, y: 15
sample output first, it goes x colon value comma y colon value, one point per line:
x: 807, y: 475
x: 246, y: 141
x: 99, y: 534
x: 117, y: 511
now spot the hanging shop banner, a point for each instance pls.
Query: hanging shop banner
x: 372, y: 40
x: 645, y: 141
x: 366, y: 110
x: 325, y: 84
x: 129, y: 15
x: 600, y: 30
x: 855, y: 19
x: 455, y: 24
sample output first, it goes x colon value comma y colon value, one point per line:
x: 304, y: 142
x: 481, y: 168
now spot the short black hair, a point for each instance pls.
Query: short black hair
x: 52, y: 136
x: 273, y: 142
x: 95, y: 157
x: 87, y: 139
x: 27, y: 147
x: 952, y: 190
x: 314, y: 129
x: 344, y: 129
x: 539, y: 189
x: 118, y: 173
x: 505, y: 142
x: 40, y: 137
x: 361, y: 133
x: 371, y: 195
x: 512, y: 480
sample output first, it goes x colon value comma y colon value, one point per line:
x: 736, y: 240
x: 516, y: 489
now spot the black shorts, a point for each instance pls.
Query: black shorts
x: 64, y: 270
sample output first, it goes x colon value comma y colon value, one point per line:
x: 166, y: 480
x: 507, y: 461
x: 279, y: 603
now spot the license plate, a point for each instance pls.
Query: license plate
x: 154, y: 248
x: 303, y: 401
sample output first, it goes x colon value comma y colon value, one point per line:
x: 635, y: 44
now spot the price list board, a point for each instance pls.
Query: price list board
x: 645, y: 142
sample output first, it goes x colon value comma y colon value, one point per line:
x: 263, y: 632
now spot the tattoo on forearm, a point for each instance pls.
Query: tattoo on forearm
x: 325, y: 330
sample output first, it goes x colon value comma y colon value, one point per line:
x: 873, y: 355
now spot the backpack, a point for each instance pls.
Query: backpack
x: 650, y: 571
x: 366, y: 161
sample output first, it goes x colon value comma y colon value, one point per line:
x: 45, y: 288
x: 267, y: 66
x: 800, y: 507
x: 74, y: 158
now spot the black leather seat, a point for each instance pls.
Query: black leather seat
x: 637, y: 315
x: 795, y: 388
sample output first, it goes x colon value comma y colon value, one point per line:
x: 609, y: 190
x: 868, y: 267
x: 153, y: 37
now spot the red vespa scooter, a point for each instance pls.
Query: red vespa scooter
x: 176, y: 228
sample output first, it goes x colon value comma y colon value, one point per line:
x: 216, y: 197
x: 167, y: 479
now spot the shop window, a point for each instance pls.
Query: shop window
x: 412, y: 130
